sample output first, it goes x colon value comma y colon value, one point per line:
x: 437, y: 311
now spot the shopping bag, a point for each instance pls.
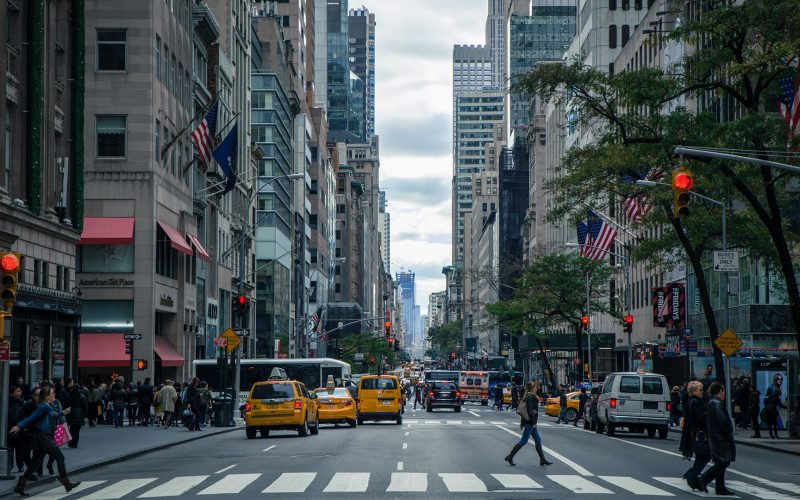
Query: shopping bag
x: 62, y: 435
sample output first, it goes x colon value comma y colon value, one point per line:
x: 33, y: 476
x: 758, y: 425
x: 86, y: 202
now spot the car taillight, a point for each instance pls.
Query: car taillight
x: 458, y: 394
x: 298, y: 404
x: 613, y: 403
x: 669, y: 406
x: 247, y: 407
x: 430, y: 394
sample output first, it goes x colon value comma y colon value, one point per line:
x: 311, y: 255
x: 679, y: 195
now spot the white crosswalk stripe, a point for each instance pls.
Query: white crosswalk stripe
x: 291, y: 482
x: 348, y: 482
x: 175, y: 487
x: 463, y: 483
x: 757, y: 491
x: 120, y: 489
x: 230, y: 484
x: 408, y: 481
x: 680, y: 483
x: 635, y: 486
x: 516, y: 481
x: 59, y: 492
x: 579, y: 484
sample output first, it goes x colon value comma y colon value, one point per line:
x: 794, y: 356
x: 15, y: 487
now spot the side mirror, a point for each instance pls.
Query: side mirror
x: 314, y: 395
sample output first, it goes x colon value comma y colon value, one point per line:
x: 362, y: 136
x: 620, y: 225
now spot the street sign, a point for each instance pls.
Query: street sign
x: 132, y: 336
x: 5, y: 350
x: 728, y: 342
x: 242, y: 332
x: 220, y: 342
x: 688, y: 332
x: 359, y: 356
x: 691, y: 346
x: 231, y: 340
x: 726, y: 262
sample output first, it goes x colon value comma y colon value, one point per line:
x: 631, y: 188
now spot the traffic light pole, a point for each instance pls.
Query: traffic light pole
x: 589, y: 325
x: 5, y: 376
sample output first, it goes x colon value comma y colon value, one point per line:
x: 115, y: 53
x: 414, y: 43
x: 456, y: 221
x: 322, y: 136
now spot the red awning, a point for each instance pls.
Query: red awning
x: 166, y: 353
x: 107, y: 231
x: 201, y: 252
x: 102, y: 349
x: 176, y: 238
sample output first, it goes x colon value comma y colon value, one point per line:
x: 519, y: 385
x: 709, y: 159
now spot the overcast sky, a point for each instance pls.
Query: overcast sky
x: 413, y: 108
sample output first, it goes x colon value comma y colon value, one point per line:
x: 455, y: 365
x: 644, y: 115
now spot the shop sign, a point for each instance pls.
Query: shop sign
x: 166, y: 298
x: 108, y: 282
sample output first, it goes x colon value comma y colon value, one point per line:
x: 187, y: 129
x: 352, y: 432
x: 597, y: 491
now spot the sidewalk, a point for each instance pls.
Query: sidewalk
x: 105, y: 444
x: 784, y: 444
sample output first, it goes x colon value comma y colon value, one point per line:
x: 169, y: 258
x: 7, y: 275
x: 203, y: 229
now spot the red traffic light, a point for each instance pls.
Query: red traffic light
x: 628, y: 319
x: 9, y: 263
x: 241, y: 299
x: 388, y: 324
x: 584, y: 320
x: 682, y: 181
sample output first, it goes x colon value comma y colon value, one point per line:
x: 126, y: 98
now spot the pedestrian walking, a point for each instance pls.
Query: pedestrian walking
x: 753, y: 406
x: 695, y: 432
x: 514, y: 396
x: 94, y: 403
x: 42, y: 422
x: 498, y: 397
x: 582, y: 399
x: 722, y: 444
x: 75, y: 402
x: 417, y: 395
x: 562, y: 406
x: 192, y: 400
x: 204, y: 399
x: 158, y: 406
x: 15, y: 441
x: 145, y: 402
x: 529, y: 418
x: 132, y: 403
x: 772, y: 405
x: 119, y: 400
x: 676, y: 409
x: 168, y: 399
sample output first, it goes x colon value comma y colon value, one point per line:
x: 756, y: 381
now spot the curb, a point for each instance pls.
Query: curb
x: 755, y: 444
x: 123, y: 457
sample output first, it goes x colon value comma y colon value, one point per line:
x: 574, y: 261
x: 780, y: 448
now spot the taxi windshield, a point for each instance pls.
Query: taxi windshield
x: 339, y: 392
x: 273, y: 391
x: 378, y: 383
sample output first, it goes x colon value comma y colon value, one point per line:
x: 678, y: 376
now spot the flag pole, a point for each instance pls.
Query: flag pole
x: 166, y: 147
x: 220, y: 134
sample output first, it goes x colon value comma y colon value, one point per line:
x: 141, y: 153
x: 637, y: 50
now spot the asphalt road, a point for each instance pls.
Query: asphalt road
x: 431, y: 455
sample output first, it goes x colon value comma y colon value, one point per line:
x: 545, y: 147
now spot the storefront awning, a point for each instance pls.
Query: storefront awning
x: 107, y: 231
x: 102, y: 349
x: 201, y: 252
x: 176, y: 239
x: 166, y: 353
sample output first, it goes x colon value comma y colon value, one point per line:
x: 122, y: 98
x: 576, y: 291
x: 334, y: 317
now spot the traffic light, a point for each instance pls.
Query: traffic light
x: 240, y: 305
x: 585, y: 322
x: 682, y: 182
x: 388, y: 329
x: 9, y: 268
x: 628, y: 323
x: 141, y: 364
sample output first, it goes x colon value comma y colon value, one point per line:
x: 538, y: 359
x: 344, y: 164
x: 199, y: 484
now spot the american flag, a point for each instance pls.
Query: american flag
x: 584, y: 239
x: 602, y: 234
x: 203, y: 136
x: 638, y: 204
x: 789, y: 100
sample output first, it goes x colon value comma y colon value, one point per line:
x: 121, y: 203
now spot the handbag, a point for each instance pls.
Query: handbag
x: 522, y: 410
x: 700, y: 444
x: 62, y: 435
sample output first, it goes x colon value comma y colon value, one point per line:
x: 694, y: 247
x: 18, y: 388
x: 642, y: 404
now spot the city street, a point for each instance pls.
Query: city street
x: 431, y: 455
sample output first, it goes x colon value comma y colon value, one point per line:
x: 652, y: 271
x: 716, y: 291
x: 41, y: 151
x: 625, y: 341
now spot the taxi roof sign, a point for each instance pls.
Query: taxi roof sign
x: 278, y: 374
x: 330, y: 385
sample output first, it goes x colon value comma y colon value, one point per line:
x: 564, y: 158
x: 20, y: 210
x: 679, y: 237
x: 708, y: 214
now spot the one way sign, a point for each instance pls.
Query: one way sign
x: 726, y: 262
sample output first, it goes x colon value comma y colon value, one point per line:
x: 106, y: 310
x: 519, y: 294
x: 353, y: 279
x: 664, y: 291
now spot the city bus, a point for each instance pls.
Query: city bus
x: 313, y: 372
x: 504, y: 378
x: 450, y: 375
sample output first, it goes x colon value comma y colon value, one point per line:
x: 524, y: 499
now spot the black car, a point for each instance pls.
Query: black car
x: 443, y: 395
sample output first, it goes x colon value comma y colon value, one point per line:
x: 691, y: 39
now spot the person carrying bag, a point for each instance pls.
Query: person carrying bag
x: 528, y: 410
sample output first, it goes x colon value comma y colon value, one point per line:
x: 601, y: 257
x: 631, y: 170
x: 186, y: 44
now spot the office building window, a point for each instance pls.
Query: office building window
x: 157, y: 56
x: 166, y: 257
x: 612, y: 36
x: 157, y: 149
x: 110, y: 133
x: 626, y: 34
x: 626, y: 4
x: 612, y: 4
x: 111, y: 49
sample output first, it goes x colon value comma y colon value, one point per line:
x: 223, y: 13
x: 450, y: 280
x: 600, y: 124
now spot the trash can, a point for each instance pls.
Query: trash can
x: 222, y: 411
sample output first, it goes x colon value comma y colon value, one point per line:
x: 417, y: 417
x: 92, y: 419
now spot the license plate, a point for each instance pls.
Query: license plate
x: 386, y: 402
x: 651, y: 405
x: 271, y: 406
x: 444, y: 394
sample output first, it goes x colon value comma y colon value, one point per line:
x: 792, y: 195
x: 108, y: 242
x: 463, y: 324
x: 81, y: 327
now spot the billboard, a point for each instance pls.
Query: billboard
x: 669, y: 306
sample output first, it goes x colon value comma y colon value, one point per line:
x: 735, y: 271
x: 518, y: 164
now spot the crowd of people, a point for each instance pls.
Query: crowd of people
x: 40, y: 417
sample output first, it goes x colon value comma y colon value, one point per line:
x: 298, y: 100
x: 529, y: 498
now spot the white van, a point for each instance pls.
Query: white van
x: 637, y: 401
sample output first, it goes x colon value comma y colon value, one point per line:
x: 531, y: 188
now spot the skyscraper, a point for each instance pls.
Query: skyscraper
x: 495, y: 41
x: 361, y: 56
x: 385, y: 226
x: 338, y: 78
x: 405, y: 281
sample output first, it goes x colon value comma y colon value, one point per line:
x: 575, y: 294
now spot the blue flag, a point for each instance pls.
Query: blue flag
x: 225, y: 154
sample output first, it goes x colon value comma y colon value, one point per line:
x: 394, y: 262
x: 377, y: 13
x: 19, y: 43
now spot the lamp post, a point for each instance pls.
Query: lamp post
x: 627, y: 270
x: 726, y: 305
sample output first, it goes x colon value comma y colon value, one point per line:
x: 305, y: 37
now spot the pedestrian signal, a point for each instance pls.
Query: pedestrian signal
x: 141, y: 364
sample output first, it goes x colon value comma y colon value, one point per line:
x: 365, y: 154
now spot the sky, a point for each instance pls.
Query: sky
x: 413, y: 113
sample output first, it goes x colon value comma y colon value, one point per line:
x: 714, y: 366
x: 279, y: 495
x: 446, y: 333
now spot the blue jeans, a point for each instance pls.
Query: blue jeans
x: 119, y: 413
x: 526, y: 434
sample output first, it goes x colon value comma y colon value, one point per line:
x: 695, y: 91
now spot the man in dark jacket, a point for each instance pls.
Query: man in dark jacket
x: 720, y: 436
x: 145, y: 402
x: 755, y: 408
x: 193, y: 399
x: 15, y: 405
x: 75, y: 399
x: 498, y: 397
x: 582, y: 399
x: 562, y: 407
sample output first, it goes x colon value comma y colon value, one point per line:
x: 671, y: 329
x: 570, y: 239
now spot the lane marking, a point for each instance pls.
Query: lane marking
x: 475, y: 414
x: 680, y: 483
x: 399, y: 465
x: 497, y: 423
x: 291, y: 482
x: 453, y: 422
x: 476, y: 422
x: 348, y: 482
x: 407, y: 433
x: 433, y: 422
x: 574, y: 466
x: 405, y: 446
x: 226, y: 468
x: 463, y: 483
x: 175, y: 487
x: 756, y: 491
x: 578, y: 484
x: 635, y: 486
x: 231, y: 484
x: 516, y: 481
x: 57, y: 493
x: 120, y: 488
x: 267, y: 449
x: 408, y: 481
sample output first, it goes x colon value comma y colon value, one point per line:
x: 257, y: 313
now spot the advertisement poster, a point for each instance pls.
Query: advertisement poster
x: 669, y: 306
x: 648, y: 364
x: 772, y: 374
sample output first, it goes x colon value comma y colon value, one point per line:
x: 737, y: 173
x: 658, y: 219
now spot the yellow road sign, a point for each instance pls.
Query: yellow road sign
x: 231, y: 340
x: 728, y: 342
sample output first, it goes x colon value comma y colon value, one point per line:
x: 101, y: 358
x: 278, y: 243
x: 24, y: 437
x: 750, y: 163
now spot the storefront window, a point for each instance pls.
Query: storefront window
x: 106, y: 258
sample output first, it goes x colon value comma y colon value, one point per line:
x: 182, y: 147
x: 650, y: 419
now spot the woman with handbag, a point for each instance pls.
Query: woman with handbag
x: 528, y: 411
x: 695, y: 428
x: 42, y: 440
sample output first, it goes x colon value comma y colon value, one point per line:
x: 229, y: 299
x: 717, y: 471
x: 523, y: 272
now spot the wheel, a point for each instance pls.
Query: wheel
x: 663, y: 431
x: 612, y: 429
x: 457, y: 409
x: 360, y: 421
x: 651, y: 432
x: 571, y: 415
x: 315, y: 429
x: 351, y: 423
x: 303, y: 431
x: 250, y: 432
x: 264, y: 432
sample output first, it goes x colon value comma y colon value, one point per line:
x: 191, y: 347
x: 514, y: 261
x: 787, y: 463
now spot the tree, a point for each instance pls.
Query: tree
x: 445, y: 338
x: 371, y: 347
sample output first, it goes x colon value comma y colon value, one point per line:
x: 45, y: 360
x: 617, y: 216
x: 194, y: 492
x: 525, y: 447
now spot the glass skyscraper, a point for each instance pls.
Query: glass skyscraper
x: 338, y: 66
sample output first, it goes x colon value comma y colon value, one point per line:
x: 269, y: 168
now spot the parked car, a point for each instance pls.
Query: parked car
x: 637, y: 401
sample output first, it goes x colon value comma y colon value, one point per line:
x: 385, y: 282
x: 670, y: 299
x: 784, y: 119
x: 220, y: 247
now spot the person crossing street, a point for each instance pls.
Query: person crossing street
x: 528, y: 424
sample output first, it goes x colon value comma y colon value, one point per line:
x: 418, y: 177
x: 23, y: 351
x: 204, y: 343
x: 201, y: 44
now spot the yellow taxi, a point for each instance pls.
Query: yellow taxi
x: 336, y: 406
x: 553, y: 407
x: 506, y: 396
x: 379, y: 399
x: 280, y: 404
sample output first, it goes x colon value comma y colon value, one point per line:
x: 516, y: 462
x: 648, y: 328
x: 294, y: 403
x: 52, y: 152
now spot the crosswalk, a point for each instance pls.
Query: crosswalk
x: 355, y: 483
x: 414, y: 421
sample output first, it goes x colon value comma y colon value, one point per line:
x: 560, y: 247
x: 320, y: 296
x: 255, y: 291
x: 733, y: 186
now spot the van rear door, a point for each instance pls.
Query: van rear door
x: 654, y: 396
x: 630, y: 396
